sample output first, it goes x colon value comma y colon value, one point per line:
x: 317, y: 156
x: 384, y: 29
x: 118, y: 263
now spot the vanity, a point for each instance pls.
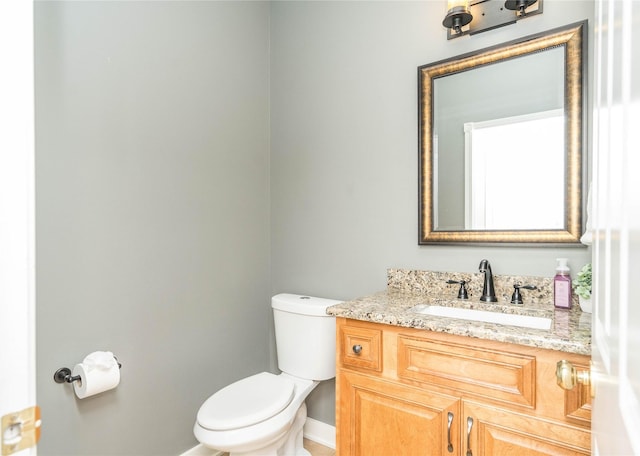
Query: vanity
x: 410, y: 383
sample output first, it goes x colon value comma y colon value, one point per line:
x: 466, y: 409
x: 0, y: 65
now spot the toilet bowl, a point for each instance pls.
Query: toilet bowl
x: 229, y: 421
x: 264, y: 414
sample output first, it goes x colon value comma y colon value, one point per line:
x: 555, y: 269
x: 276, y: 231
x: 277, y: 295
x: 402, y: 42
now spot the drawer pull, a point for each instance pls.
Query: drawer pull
x: 469, y: 426
x: 449, y: 421
x: 357, y: 349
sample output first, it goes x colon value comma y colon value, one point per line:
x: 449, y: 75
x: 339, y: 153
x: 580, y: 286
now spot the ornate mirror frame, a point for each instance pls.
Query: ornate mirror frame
x: 573, y: 39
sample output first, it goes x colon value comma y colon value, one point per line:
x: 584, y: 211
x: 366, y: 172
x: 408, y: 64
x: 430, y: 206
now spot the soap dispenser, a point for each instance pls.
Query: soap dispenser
x: 562, y: 285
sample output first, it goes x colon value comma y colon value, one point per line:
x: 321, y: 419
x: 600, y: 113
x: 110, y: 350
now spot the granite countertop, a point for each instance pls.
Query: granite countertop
x: 570, y: 329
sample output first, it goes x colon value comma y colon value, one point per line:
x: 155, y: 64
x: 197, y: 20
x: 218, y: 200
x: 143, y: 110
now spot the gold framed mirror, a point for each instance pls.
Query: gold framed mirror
x: 501, y: 138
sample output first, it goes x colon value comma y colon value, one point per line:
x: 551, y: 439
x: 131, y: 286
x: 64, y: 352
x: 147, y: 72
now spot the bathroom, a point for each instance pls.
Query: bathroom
x: 194, y: 159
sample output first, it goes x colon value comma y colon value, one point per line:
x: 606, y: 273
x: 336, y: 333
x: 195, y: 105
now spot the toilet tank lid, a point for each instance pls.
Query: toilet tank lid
x: 300, y: 304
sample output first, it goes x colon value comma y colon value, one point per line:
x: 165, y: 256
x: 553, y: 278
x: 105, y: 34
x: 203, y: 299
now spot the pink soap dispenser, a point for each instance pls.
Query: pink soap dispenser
x: 562, y: 285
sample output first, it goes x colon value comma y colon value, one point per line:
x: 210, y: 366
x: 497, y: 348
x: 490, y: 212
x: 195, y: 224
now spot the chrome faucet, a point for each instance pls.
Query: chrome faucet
x: 488, y: 292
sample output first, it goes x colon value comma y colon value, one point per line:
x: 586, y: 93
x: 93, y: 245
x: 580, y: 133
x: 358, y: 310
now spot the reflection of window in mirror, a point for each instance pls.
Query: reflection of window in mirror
x: 508, y: 88
x: 514, y: 172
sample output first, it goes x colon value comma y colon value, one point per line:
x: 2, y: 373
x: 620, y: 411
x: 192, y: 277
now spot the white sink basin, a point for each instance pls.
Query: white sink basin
x: 524, y: 321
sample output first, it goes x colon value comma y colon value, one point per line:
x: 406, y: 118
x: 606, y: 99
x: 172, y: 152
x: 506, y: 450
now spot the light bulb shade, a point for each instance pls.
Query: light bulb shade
x: 453, y: 3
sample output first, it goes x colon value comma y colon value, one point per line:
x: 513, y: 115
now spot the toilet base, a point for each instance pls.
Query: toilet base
x: 290, y: 444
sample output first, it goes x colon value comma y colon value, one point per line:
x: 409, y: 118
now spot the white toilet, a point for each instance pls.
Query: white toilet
x: 264, y: 414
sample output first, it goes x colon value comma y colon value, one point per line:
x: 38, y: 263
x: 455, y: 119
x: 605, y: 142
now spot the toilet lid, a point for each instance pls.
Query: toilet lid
x: 246, y: 402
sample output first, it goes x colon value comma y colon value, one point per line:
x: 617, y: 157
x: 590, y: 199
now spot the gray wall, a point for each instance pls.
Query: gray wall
x: 163, y: 222
x: 344, y: 147
x: 152, y: 213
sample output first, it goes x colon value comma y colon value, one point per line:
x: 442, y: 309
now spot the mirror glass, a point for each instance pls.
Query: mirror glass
x: 501, y: 143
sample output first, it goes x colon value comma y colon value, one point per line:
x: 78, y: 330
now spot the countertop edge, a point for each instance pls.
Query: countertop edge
x: 570, y: 333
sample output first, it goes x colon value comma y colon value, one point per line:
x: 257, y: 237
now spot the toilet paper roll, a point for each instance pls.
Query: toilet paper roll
x: 95, y: 380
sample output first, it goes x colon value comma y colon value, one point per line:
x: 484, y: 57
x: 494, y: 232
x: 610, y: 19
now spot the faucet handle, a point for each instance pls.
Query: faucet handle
x: 462, y: 292
x: 516, y: 297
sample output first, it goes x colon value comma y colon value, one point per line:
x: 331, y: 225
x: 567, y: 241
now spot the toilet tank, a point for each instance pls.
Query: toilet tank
x: 305, y: 336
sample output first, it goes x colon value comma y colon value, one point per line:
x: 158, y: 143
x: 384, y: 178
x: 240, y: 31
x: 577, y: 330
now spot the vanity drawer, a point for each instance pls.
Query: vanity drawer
x: 488, y: 373
x: 360, y: 348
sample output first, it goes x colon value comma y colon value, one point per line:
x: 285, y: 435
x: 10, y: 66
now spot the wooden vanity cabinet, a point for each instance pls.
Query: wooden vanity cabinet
x: 387, y: 418
x: 403, y: 391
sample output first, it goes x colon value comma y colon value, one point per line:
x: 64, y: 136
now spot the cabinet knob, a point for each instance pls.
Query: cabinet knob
x: 568, y: 376
x: 357, y: 349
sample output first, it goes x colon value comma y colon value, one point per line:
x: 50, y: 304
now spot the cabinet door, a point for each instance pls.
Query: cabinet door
x: 377, y: 417
x: 498, y: 432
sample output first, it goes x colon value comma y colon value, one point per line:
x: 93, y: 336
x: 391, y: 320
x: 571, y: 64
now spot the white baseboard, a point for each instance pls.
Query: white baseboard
x: 315, y: 430
x: 201, y: 450
x: 320, y: 432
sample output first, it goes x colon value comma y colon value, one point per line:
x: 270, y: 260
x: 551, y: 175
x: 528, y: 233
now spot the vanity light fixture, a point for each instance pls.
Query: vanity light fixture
x: 468, y: 17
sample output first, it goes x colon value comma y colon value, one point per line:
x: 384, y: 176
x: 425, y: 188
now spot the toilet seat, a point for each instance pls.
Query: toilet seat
x: 246, y: 402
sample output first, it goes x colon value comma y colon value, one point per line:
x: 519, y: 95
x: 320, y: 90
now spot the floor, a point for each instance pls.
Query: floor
x: 314, y: 448
x: 318, y: 450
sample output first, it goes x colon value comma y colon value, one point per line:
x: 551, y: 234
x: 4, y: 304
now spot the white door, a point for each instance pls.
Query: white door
x: 616, y: 254
x: 17, y: 309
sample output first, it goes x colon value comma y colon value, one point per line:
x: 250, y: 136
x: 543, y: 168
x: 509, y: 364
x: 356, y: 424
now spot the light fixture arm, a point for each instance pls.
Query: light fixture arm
x: 519, y: 5
x: 457, y: 17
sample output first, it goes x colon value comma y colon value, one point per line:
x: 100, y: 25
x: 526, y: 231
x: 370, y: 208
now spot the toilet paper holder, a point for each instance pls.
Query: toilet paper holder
x: 63, y: 375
